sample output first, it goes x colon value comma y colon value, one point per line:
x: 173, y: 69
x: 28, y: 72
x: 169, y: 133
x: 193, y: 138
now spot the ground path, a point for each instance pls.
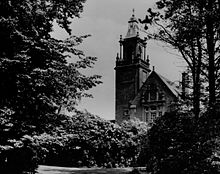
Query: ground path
x: 69, y: 170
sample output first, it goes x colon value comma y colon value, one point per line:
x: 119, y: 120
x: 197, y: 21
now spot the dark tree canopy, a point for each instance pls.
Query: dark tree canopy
x: 192, y: 27
x: 179, y: 144
x: 36, y: 79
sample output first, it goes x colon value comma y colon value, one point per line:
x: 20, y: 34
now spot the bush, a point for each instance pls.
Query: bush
x: 79, y: 140
x: 87, y: 140
x: 177, y: 143
x: 19, y: 156
x: 135, y: 171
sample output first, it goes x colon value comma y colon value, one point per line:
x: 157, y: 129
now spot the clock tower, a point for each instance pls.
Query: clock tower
x: 131, y: 70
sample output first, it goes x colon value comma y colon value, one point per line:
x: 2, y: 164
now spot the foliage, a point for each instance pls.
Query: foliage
x: 135, y: 171
x: 87, y: 140
x: 191, y: 27
x: 19, y: 156
x: 177, y: 143
x: 79, y: 140
x: 37, y: 79
x: 138, y: 131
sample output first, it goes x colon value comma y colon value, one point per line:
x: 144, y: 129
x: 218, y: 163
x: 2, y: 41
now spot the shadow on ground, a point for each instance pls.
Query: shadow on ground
x: 66, y: 170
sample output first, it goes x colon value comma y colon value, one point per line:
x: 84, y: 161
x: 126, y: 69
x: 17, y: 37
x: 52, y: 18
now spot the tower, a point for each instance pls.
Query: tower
x: 131, y: 70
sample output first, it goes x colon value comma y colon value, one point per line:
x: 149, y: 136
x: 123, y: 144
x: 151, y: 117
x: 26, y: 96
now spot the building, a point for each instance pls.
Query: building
x: 140, y: 91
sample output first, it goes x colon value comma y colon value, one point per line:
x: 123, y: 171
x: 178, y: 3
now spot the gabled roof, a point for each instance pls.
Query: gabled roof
x: 171, y: 86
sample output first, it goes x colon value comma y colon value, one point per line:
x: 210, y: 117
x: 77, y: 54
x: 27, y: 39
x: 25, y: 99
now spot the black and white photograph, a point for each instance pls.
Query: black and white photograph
x: 110, y: 87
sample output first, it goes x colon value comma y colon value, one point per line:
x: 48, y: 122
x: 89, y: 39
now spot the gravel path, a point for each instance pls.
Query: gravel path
x: 69, y: 170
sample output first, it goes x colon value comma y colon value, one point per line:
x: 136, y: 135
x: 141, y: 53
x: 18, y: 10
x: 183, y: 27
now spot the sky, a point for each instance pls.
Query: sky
x: 106, y: 20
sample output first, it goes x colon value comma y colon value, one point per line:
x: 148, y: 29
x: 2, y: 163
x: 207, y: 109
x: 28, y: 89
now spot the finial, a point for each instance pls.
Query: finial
x: 148, y: 60
x: 133, y: 11
x: 117, y: 57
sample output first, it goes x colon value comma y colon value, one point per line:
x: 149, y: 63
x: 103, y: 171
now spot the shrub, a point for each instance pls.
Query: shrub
x: 87, y: 140
x: 135, y: 171
x: 19, y: 156
x: 177, y: 143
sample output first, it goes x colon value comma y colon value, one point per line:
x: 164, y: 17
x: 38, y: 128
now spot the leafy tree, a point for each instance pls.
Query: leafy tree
x: 87, y: 140
x: 192, y: 27
x: 138, y: 131
x: 179, y: 144
x: 36, y: 76
x: 36, y: 79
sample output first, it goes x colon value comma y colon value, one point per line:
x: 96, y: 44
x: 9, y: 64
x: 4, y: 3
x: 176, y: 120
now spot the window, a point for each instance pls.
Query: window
x: 146, y: 96
x: 153, y: 95
x: 153, y: 108
x: 153, y: 116
x: 146, y: 115
x: 126, y: 112
x: 153, y: 92
x: 146, y: 109
x: 161, y: 96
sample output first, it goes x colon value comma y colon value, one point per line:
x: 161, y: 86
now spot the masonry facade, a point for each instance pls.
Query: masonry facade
x: 140, y: 92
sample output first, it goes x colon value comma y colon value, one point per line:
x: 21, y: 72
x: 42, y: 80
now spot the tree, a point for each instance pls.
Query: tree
x: 179, y: 144
x: 138, y: 131
x: 88, y: 140
x: 36, y: 78
x: 192, y: 27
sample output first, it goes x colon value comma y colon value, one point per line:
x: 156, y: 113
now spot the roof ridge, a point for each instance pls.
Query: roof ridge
x: 170, y: 85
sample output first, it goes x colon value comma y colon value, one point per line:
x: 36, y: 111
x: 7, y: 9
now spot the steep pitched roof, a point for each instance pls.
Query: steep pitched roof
x: 170, y: 85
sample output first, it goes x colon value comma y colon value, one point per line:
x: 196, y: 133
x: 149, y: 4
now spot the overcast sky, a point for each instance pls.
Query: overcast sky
x: 106, y: 20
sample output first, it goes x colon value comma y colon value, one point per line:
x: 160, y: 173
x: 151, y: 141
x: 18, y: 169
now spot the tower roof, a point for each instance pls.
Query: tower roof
x: 133, y: 27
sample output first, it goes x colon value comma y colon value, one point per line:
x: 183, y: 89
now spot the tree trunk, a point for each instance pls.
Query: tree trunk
x: 197, y: 77
x: 211, y: 56
x: 196, y: 106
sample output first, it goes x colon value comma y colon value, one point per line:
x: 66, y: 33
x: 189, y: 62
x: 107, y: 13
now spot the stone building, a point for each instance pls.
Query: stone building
x: 140, y: 91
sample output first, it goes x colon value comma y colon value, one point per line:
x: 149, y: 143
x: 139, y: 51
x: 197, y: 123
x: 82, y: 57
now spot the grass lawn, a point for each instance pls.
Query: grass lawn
x: 68, y: 170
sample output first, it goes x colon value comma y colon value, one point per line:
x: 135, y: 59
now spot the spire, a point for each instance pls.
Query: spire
x: 133, y: 11
x: 133, y: 27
